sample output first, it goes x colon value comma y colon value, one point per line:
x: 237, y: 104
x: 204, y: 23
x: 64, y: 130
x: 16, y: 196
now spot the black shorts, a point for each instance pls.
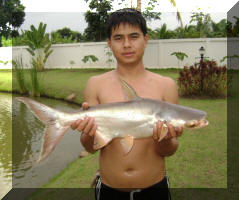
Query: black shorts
x: 159, y: 191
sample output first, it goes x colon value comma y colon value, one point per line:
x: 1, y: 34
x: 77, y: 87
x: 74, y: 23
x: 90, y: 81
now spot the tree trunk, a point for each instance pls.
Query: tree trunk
x: 139, y: 5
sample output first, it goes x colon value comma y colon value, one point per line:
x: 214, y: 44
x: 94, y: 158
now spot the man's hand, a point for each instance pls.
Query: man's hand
x: 87, y: 125
x: 172, y: 132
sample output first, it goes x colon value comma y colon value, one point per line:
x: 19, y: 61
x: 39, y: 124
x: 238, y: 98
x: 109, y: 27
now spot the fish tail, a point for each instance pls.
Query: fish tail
x: 54, y: 130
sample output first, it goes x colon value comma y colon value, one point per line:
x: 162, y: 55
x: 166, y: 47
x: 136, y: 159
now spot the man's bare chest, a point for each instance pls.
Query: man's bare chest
x: 114, y: 93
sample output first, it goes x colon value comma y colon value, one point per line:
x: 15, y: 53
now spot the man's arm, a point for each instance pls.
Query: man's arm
x: 169, y: 144
x: 87, y: 126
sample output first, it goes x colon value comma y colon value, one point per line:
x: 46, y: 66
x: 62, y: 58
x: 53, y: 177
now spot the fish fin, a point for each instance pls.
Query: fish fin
x: 163, y: 133
x: 52, y: 136
x: 41, y: 111
x: 127, y: 143
x: 129, y: 92
x: 54, y: 130
x: 100, y: 140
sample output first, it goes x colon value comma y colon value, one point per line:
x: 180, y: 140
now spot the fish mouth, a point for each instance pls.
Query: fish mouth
x: 197, y: 123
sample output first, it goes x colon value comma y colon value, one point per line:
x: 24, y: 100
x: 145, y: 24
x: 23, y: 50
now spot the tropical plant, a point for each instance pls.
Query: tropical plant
x: 219, y: 29
x: 164, y: 33
x: 35, y: 87
x: 173, y: 2
x: 180, y: 56
x: 189, y: 31
x: 18, y: 41
x: 38, y: 45
x: 200, y: 25
x: 229, y: 58
x: 4, y: 62
x: 226, y: 57
x: 89, y: 58
x: 20, y: 76
x: 161, y: 33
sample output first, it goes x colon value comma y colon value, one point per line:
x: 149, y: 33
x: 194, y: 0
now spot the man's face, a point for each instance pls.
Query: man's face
x: 127, y: 43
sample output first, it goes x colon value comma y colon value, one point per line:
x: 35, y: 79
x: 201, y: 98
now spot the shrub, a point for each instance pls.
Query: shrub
x: 204, y: 79
x: 35, y: 88
x: 19, y: 69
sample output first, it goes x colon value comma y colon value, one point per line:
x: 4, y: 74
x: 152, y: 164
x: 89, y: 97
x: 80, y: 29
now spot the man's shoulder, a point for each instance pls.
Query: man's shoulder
x: 97, y: 79
x: 160, y: 79
x: 100, y: 77
x: 167, y: 86
x: 94, y: 86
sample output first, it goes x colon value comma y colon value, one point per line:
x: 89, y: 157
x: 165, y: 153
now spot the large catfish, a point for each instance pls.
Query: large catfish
x: 128, y: 120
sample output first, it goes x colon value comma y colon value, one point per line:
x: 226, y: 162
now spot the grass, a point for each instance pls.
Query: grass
x: 60, y: 83
x: 201, y: 159
x: 5, y: 80
x: 200, y: 162
x: 68, y: 179
x: 233, y: 137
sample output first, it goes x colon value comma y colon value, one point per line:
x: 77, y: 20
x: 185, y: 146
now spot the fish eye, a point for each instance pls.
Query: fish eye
x: 191, y: 124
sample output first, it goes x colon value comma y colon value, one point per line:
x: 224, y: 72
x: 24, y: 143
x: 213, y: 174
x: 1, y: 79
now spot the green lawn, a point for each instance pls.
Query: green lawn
x: 60, y: 83
x: 200, y: 162
x: 6, y: 80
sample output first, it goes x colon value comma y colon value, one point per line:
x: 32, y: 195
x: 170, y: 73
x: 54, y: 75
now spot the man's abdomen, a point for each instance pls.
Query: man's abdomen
x: 140, y: 168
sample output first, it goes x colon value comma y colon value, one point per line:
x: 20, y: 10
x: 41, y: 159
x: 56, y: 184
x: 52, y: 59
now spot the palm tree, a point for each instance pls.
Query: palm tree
x: 173, y: 2
x: 219, y: 29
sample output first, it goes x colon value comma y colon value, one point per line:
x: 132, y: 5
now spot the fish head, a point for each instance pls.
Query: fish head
x: 178, y: 115
x: 191, y: 124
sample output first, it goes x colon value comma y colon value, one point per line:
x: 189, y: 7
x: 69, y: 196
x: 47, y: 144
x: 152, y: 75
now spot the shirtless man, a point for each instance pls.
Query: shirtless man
x: 144, y: 167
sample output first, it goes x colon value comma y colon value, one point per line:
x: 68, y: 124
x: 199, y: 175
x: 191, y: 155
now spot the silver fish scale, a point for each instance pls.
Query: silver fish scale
x: 118, y: 119
x: 121, y: 120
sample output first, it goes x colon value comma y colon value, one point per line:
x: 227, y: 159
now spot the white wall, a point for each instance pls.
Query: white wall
x: 157, y: 54
x: 5, y: 55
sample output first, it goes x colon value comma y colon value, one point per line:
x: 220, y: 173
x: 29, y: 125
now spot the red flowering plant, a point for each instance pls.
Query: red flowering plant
x: 204, y: 79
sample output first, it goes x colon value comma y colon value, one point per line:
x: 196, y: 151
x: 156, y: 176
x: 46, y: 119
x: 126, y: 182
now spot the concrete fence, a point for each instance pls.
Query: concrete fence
x: 5, y: 57
x: 157, y: 54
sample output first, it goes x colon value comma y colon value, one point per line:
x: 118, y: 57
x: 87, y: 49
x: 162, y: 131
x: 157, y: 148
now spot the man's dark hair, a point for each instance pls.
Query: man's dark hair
x: 126, y: 16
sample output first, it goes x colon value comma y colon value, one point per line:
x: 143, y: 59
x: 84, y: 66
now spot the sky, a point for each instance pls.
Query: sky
x: 70, y: 13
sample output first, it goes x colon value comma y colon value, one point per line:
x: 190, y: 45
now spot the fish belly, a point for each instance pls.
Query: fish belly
x: 125, y: 123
